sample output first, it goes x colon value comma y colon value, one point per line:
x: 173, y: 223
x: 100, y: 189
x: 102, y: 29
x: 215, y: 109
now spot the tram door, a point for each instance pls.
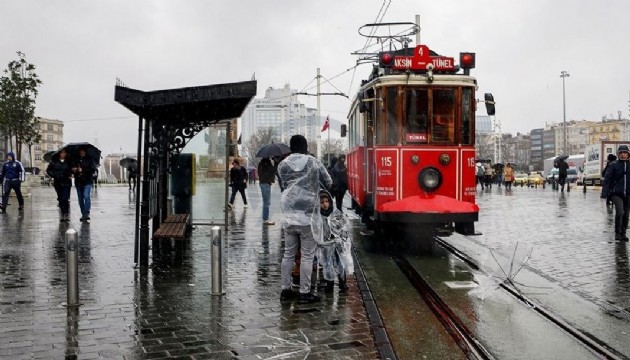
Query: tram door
x: 370, y: 174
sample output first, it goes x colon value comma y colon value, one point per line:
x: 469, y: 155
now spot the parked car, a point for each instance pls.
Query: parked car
x: 520, y: 179
x: 535, y: 179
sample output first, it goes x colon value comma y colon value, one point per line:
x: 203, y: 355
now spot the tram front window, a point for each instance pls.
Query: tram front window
x: 416, y: 116
x: 443, y: 121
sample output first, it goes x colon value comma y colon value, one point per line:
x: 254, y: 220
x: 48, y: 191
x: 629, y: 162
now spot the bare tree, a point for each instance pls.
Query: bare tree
x: 262, y: 137
x: 334, y: 148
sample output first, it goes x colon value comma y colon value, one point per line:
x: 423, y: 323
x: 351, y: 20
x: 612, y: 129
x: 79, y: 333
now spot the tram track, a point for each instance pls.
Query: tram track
x: 464, y: 337
x: 595, y: 345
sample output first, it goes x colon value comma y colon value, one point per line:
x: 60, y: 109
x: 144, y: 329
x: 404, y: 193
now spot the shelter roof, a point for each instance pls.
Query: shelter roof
x: 200, y: 104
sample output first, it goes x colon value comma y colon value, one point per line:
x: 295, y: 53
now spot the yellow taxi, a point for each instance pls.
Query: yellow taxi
x: 520, y: 179
x: 535, y: 179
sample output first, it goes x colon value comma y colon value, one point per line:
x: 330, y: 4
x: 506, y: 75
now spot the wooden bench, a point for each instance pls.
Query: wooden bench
x: 175, y: 226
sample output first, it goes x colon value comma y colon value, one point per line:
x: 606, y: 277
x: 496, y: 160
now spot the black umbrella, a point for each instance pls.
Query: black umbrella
x: 273, y: 149
x: 73, y: 151
x: 129, y: 163
x: 49, y: 155
x: 561, y: 158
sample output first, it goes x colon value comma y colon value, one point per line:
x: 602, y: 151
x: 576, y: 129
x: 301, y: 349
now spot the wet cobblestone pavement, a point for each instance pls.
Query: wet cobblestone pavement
x: 165, y: 311
x: 571, y: 236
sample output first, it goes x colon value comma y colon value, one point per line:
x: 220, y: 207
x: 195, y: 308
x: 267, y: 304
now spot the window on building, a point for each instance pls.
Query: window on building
x: 38, y: 157
x: 50, y: 138
x: 50, y: 127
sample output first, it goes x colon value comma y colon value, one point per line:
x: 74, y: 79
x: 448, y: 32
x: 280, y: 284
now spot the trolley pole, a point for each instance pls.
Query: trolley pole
x: 216, y: 261
x: 72, y: 266
x: 319, y: 118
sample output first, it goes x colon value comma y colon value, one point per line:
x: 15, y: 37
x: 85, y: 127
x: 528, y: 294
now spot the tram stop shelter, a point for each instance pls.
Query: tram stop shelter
x: 167, y: 121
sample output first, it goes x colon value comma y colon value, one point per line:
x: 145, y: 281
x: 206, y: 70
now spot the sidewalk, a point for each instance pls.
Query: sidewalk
x: 161, y: 312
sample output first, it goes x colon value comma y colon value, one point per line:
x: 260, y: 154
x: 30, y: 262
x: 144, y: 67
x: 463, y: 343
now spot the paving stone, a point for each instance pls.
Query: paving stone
x: 165, y: 311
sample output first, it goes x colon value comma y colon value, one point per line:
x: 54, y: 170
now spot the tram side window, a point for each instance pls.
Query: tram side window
x: 467, y: 123
x: 392, y: 116
x: 443, y: 122
x: 416, y: 116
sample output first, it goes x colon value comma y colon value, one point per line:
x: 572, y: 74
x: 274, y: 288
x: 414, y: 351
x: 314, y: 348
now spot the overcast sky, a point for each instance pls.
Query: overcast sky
x: 80, y: 47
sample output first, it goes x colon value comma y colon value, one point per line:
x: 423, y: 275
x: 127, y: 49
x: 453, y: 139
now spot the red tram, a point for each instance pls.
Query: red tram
x: 411, y: 130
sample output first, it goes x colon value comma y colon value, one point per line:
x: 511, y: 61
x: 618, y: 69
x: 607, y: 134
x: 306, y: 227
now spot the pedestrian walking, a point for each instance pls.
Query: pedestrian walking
x: 609, y: 160
x: 508, y: 176
x: 488, y: 175
x: 563, y: 168
x: 480, y: 174
x: 83, y: 171
x: 340, y: 181
x: 302, y: 176
x: 617, y: 186
x: 132, y: 174
x: 60, y: 170
x: 238, y: 182
x: 335, y: 252
x: 267, y: 174
x: 12, y: 175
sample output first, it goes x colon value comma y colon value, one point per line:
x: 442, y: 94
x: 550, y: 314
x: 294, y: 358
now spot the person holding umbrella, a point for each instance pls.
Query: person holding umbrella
x: 563, y: 167
x: 83, y: 180
x: 60, y: 170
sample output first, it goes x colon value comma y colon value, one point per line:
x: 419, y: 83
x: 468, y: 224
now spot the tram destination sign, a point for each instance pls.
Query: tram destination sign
x: 421, y: 58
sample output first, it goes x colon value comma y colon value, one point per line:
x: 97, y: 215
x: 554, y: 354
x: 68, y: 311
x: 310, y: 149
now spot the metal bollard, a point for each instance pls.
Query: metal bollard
x: 72, y: 266
x: 217, y: 262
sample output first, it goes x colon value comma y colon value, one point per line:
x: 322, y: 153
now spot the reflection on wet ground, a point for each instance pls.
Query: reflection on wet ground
x: 163, y: 311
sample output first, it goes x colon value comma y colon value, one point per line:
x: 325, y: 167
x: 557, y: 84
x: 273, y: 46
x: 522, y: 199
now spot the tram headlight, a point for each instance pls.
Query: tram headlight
x: 430, y: 179
x: 445, y: 159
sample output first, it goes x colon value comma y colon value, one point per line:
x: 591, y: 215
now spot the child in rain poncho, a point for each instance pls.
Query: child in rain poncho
x: 336, y: 248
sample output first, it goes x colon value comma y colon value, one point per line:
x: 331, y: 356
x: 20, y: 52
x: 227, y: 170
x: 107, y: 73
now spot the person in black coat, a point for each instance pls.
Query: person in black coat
x: 238, y: 182
x: 60, y: 170
x: 563, y: 168
x: 617, y: 186
x: 609, y: 160
x: 340, y: 181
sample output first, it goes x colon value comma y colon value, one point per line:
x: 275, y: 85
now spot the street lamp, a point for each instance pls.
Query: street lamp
x: 563, y: 75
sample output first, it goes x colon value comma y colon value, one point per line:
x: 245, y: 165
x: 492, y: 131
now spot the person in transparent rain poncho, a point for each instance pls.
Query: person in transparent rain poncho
x: 302, y: 177
x: 336, y: 247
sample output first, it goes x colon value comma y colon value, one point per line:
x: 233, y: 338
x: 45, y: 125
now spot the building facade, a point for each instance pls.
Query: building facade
x: 51, y: 132
x: 536, y: 148
x: 608, y: 130
x: 281, y: 111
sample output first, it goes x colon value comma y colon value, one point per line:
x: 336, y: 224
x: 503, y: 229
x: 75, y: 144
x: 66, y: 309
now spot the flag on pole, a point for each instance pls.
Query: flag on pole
x: 326, y: 125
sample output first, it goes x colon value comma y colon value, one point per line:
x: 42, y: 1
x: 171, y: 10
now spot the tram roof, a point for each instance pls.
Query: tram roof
x: 210, y: 103
x: 421, y: 79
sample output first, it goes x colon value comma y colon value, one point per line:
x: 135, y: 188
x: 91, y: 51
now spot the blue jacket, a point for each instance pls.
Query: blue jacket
x: 12, y: 170
x: 617, y: 179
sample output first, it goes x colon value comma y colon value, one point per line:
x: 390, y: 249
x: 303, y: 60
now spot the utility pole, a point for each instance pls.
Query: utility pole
x: 564, y: 75
x: 319, y: 118
x: 418, y: 33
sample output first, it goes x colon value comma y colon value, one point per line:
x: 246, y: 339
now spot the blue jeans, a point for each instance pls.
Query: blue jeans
x: 83, y: 194
x: 265, y: 189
